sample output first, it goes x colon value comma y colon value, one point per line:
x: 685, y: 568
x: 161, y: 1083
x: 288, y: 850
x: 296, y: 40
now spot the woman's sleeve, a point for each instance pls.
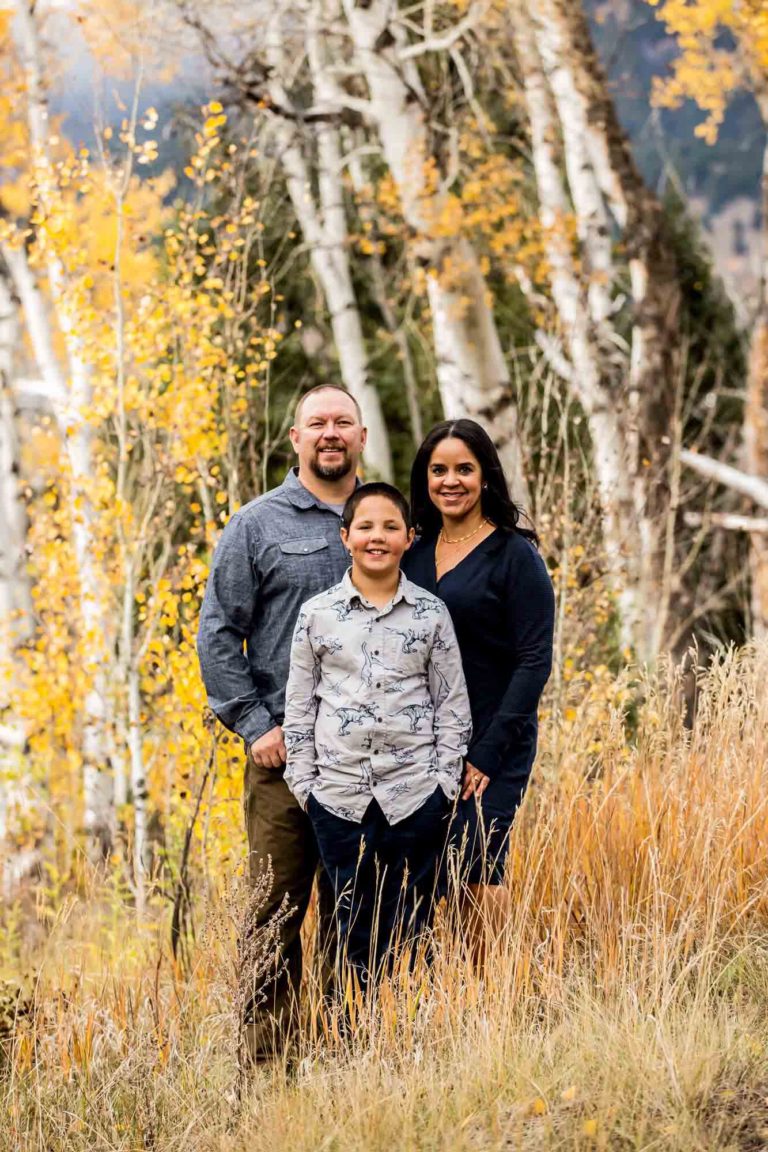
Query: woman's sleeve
x: 530, y: 619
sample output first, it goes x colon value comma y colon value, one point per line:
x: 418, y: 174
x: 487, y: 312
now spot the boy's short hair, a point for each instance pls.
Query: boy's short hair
x: 375, y: 488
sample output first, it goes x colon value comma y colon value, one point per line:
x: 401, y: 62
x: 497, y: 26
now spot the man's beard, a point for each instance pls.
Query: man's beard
x: 331, y: 471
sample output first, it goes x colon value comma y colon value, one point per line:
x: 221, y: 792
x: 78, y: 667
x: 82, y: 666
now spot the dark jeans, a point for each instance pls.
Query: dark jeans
x: 279, y: 832
x: 385, y: 887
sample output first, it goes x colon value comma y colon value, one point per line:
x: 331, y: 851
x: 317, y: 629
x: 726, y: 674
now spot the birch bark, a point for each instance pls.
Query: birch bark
x: 635, y: 381
x: 323, y: 222
x: 472, y: 373
x: 15, y: 592
x: 601, y: 404
x: 593, y: 223
x: 69, y: 399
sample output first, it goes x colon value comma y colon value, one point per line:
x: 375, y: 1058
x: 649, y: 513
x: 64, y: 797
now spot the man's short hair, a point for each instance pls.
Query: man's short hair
x: 326, y: 388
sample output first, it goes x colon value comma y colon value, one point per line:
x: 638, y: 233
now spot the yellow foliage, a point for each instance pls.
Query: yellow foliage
x: 175, y: 348
x: 705, y: 71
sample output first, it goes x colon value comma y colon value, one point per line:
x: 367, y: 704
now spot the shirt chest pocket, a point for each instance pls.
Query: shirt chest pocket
x: 308, y: 561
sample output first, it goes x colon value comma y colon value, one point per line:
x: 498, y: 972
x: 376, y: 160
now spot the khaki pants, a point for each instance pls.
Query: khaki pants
x: 279, y: 831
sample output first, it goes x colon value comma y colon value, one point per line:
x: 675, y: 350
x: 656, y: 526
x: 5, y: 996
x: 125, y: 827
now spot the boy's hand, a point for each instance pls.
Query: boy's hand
x: 474, y: 781
x: 269, y: 750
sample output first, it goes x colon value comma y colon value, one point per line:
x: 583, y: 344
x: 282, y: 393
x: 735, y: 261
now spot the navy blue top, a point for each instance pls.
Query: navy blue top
x: 501, y: 601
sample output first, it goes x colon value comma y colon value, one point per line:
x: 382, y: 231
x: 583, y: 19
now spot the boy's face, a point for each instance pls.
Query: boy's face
x: 377, y: 537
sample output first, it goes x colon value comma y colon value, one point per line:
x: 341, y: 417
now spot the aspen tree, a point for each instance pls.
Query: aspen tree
x: 15, y: 598
x: 322, y: 217
x: 71, y: 394
x: 472, y: 372
x: 585, y: 174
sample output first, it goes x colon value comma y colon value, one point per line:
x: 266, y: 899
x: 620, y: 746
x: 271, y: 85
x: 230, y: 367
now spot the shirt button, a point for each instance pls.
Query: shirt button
x: 376, y: 751
x: 378, y: 683
x: 376, y: 652
x: 379, y: 720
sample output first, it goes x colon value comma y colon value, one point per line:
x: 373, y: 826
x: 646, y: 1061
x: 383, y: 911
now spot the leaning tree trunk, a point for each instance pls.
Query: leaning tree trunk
x: 610, y: 206
x: 654, y: 302
x: 322, y: 218
x: 70, y: 399
x: 472, y: 373
x: 591, y: 386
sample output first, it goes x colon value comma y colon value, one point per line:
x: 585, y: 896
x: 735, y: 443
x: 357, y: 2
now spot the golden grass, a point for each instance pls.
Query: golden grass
x: 626, y: 1006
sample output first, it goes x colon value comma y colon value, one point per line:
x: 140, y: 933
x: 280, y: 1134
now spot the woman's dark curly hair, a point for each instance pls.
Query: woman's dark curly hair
x: 496, y: 502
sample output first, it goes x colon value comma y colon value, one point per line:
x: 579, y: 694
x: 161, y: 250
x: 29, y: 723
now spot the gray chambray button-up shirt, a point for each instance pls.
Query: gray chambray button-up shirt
x: 273, y: 554
x: 376, y: 705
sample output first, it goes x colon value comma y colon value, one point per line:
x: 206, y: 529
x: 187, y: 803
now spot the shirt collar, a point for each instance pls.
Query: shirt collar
x: 405, y: 591
x: 300, y: 496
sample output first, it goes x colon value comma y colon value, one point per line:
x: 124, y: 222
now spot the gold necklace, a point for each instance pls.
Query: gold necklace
x: 461, y: 539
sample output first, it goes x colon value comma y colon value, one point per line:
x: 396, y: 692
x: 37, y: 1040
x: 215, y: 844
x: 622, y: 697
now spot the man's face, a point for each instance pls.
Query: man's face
x: 328, y: 437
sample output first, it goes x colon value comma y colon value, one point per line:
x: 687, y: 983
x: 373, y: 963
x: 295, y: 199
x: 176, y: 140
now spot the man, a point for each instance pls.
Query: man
x: 273, y: 555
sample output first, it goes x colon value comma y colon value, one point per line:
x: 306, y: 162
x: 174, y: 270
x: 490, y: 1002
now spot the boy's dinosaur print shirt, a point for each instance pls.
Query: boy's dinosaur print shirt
x: 376, y: 705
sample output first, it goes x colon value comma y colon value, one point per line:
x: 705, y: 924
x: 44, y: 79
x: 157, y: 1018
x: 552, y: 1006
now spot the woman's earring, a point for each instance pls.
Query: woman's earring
x: 484, y: 487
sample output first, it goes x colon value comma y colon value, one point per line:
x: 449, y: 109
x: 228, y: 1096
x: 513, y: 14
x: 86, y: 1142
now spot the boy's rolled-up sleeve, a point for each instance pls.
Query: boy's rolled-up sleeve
x: 453, y: 718
x: 301, y: 712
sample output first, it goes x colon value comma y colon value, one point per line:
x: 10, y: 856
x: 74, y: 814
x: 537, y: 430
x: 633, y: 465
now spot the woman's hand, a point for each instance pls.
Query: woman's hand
x: 474, y: 781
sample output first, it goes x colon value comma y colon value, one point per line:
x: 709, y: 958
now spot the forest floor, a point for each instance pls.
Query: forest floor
x: 626, y: 1006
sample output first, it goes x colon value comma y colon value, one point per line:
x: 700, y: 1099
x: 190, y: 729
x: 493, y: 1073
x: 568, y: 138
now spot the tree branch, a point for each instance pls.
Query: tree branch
x: 445, y: 42
x: 728, y: 520
x: 733, y: 478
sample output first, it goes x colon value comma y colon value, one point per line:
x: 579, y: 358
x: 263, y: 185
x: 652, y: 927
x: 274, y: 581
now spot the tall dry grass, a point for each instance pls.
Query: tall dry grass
x: 625, y: 1007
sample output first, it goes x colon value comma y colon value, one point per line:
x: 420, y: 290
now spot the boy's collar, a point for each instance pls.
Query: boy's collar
x: 405, y: 590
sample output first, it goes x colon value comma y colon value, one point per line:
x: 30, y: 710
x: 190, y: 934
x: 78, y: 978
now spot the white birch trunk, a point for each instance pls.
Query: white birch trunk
x: 379, y: 287
x: 97, y: 787
x: 593, y: 223
x: 15, y: 598
x: 654, y: 283
x: 472, y: 373
x: 15, y: 594
x: 139, y: 791
x: 323, y: 222
x: 609, y: 449
x: 70, y: 398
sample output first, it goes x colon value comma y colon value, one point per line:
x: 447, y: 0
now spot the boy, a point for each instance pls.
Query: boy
x: 376, y: 726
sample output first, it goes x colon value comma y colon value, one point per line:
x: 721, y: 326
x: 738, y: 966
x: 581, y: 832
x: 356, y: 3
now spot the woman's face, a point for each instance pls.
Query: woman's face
x: 454, y: 479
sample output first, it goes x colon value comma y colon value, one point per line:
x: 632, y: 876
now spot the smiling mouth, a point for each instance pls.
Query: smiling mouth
x: 376, y: 552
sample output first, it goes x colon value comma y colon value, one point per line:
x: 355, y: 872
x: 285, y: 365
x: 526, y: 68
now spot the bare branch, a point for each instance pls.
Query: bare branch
x: 733, y: 478
x: 445, y: 42
x: 728, y: 520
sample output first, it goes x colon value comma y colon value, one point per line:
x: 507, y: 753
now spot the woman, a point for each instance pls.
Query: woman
x: 474, y: 555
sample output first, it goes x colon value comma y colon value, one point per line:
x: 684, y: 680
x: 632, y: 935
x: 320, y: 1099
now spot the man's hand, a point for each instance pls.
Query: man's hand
x: 269, y: 750
x: 474, y: 781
